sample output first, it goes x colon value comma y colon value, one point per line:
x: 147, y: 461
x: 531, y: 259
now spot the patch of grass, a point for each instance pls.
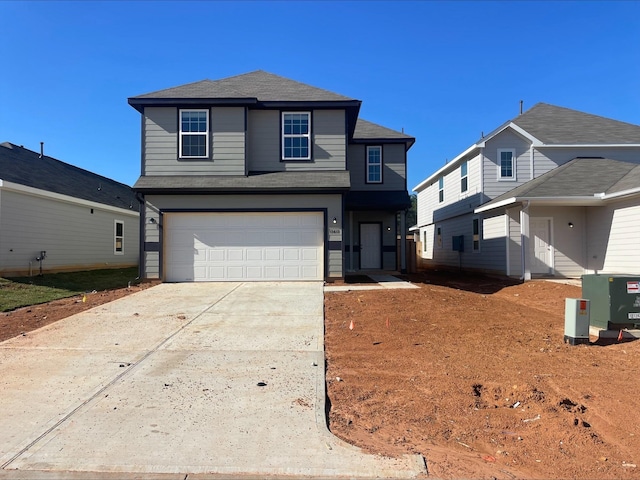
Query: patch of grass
x: 19, y: 292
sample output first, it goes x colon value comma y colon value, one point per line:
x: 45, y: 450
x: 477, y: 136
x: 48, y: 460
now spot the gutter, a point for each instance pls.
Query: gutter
x: 564, y: 201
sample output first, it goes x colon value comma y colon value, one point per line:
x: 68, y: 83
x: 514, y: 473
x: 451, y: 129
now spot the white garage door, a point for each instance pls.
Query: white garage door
x: 243, y: 246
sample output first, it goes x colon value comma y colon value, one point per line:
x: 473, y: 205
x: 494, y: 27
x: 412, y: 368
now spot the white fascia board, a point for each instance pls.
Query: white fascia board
x: 36, y: 192
x: 414, y: 228
x: 588, y: 145
x: 623, y: 193
x: 581, y: 201
x: 449, y: 165
x: 516, y: 128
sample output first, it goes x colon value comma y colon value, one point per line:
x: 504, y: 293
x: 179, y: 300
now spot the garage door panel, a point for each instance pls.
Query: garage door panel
x: 244, y: 246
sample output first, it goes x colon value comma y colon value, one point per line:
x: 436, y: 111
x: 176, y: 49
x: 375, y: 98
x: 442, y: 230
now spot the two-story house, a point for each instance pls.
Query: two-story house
x: 259, y: 177
x: 552, y: 192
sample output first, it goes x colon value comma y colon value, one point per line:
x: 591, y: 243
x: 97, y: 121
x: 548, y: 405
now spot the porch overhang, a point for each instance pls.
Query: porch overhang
x: 391, y: 201
x: 582, y: 201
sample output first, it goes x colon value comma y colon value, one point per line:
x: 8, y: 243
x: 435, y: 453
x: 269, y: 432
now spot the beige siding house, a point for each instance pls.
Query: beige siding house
x: 557, y: 195
x: 56, y: 217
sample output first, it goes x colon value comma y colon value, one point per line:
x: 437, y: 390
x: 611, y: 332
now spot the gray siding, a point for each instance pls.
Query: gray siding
x: 393, y: 172
x: 226, y: 143
x: 546, y: 159
x: 73, y: 237
x: 514, y: 243
x: 228, y: 146
x: 333, y: 204
x: 613, y: 233
x: 506, y: 139
x: 329, y: 142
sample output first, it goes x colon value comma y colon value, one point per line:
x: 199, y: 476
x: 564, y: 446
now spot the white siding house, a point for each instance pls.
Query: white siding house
x: 556, y: 193
x: 81, y: 220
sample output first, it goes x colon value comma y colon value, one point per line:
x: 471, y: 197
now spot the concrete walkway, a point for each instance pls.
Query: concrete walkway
x: 383, y: 282
x: 200, y: 378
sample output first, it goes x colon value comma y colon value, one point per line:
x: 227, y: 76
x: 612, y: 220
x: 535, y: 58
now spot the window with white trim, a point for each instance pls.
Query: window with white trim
x: 464, y: 183
x: 506, y: 164
x: 374, y: 164
x: 296, y: 135
x: 441, y: 190
x: 476, y: 234
x: 118, y: 238
x: 194, y: 133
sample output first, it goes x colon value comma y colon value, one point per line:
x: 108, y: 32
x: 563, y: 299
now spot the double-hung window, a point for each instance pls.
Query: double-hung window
x: 374, y: 164
x: 296, y: 135
x: 194, y: 133
x: 506, y: 164
x: 118, y: 238
x: 441, y: 189
x: 464, y: 183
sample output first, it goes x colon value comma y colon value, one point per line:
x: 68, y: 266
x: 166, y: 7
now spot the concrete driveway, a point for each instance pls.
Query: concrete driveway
x: 194, y: 378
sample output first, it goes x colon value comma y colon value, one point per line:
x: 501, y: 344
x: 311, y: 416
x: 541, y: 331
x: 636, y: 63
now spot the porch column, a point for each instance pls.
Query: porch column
x: 403, y: 241
x: 524, y: 242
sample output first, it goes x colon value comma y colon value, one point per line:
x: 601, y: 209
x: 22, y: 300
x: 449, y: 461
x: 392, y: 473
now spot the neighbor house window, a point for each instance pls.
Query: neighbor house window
x: 441, y: 190
x: 439, y: 237
x: 194, y: 133
x: 296, y: 135
x: 424, y: 241
x: 118, y: 238
x: 506, y: 166
x: 464, y: 184
x: 374, y: 164
x: 476, y: 234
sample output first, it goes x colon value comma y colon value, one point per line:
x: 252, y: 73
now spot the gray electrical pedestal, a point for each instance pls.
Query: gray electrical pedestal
x: 576, y: 321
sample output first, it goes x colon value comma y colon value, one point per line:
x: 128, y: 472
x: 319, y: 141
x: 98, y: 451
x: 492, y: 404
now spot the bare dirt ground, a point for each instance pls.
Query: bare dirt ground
x: 472, y: 373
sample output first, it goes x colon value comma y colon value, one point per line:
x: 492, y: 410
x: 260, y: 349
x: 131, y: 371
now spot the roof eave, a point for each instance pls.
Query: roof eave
x: 449, y: 165
x: 140, y: 103
x: 583, y: 200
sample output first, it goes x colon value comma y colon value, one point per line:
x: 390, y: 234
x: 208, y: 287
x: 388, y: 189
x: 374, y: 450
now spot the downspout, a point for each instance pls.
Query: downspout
x: 351, y: 240
x: 403, y: 241
x: 524, y: 241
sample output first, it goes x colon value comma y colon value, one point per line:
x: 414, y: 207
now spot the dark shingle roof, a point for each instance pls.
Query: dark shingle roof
x: 25, y: 167
x: 261, y: 85
x: 368, y: 131
x: 274, y: 181
x: 563, y: 126
x: 581, y: 177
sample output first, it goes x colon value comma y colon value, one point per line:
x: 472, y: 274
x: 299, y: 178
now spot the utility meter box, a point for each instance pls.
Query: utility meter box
x: 615, y: 300
x: 576, y: 321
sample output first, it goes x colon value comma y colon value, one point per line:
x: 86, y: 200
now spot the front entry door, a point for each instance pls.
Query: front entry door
x: 370, y: 245
x: 542, y: 259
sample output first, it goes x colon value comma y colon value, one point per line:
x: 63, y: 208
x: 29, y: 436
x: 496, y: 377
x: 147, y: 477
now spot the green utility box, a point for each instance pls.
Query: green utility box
x: 615, y: 300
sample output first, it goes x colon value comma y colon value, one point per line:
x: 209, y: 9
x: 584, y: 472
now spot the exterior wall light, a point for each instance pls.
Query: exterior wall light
x: 335, y: 220
x: 152, y: 220
x: 570, y: 224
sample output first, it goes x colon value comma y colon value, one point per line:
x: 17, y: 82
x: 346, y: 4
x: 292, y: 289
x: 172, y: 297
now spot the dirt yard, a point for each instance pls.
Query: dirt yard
x: 473, y: 374
x: 470, y: 372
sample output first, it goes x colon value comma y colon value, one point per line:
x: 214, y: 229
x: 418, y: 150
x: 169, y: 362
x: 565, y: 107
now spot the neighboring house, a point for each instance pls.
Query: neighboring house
x: 553, y: 192
x: 259, y: 177
x: 79, y: 219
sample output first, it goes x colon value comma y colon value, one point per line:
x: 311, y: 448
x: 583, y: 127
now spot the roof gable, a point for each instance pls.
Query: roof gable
x: 260, y: 85
x: 25, y: 167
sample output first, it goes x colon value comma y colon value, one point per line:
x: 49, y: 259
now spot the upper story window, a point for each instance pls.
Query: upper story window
x: 441, y: 190
x: 194, y: 133
x: 374, y: 164
x: 464, y: 183
x: 506, y: 164
x: 118, y: 238
x: 296, y: 135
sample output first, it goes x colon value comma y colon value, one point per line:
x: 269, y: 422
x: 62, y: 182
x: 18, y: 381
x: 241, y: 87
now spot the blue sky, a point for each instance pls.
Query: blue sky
x: 443, y: 71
